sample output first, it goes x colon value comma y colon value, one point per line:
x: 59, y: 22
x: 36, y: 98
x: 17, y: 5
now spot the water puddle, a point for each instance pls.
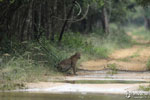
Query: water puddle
x: 104, y: 81
x: 47, y: 96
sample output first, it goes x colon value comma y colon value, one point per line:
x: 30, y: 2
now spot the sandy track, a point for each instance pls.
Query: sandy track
x: 131, y: 59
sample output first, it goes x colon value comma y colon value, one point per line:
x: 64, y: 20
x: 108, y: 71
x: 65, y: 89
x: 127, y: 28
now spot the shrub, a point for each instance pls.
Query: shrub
x: 148, y: 64
x: 113, y: 68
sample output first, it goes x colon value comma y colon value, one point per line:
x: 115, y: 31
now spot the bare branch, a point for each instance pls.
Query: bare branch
x: 79, y: 13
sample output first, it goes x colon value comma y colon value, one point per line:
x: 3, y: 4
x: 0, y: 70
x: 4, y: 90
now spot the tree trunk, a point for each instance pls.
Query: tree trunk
x: 53, y: 20
x: 147, y: 23
x: 48, y: 28
x: 105, y: 22
x: 66, y: 21
x: 37, y: 20
x: 27, y: 23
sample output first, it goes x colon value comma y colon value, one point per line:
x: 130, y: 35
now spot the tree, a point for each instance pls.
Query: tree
x: 65, y: 23
x: 143, y: 2
x: 147, y: 17
x: 146, y: 8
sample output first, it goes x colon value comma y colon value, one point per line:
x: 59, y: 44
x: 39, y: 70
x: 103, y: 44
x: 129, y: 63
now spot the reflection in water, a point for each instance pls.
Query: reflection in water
x: 46, y: 96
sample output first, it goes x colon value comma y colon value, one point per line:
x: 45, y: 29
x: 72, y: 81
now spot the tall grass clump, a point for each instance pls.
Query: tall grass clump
x: 28, y: 61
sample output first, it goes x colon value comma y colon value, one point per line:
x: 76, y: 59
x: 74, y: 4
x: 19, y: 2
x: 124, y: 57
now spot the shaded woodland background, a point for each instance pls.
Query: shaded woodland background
x: 37, y: 34
x: 32, y: 19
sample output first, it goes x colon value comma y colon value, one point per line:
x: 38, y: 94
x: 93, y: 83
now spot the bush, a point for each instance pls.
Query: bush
x: 148, y: 64
x: 113, y: 68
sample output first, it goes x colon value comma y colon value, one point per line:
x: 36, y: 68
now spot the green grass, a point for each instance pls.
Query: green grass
x: 144, y: 88
x: 19, y: 70
x: 141, y: 31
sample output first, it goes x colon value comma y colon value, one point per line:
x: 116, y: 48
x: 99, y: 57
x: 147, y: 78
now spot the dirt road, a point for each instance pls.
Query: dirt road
x: 134, y: 58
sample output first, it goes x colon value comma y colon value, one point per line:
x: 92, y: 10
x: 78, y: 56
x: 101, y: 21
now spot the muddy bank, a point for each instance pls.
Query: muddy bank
x: 50, y: 87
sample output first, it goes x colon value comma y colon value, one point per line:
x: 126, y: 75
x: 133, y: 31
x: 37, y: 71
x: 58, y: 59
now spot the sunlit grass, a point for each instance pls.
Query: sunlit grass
x: 144, y: 88
x: 142, y: 31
